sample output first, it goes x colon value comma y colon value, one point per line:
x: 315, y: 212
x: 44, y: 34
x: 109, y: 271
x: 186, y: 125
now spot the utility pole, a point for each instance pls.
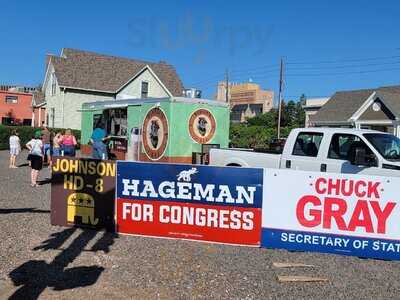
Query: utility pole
x: 226, y: 86
x: 280, y: 99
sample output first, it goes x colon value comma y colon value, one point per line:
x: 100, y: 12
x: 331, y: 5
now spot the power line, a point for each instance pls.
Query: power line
x: 343, y: 73
x: 235, y: 73
x: 267, y: 71
x: 257, y: 72
x: 214, y: 77
x: 266, y: 67
x: 344, y: 66
x: 243, y: 77
x: 274, y: 72
x: 342, y: 60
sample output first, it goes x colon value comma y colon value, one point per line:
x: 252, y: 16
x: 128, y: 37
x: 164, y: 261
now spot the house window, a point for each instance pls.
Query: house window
x: 53, y: 84
x: 53, y: 116
x: 145, y: 89
x: 27, y: 122
x: 7, y: 121
x: 12, y: 99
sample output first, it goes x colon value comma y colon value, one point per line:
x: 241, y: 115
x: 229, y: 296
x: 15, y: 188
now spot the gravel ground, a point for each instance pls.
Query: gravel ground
x: 49, y: 262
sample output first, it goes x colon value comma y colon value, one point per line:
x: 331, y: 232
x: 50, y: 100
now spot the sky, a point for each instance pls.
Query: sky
x: 325, y: 46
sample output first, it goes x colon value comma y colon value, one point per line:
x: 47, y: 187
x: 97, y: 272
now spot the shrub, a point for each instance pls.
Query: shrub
x: 247, y: 136
x: 25, y: 134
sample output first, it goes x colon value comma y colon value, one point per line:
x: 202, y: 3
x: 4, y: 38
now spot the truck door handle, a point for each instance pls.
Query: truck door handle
x: 288, y: 164
x: 323, y: 167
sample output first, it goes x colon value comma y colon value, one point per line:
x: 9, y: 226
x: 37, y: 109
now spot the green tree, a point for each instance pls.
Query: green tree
x: 302, y: 99
x: 268, y: 119
x: 258, y: 131
x: 289, y: 114
x: 300, y: 114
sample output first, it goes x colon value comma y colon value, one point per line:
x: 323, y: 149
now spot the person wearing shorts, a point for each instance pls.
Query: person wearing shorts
x: 68, y: 143
x: 15, y: 148
x: 35, y: 147
x: 46, y: 138
x: 56, y: 144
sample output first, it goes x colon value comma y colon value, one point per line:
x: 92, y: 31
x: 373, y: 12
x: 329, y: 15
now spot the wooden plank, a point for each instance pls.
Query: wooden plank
x: 291, y: 265
x: 301, y: 279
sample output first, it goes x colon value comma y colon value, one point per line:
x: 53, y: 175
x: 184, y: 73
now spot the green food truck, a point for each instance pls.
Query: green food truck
x: 175, y: 129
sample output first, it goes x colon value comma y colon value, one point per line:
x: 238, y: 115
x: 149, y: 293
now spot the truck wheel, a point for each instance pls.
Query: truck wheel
x: 233, y: 165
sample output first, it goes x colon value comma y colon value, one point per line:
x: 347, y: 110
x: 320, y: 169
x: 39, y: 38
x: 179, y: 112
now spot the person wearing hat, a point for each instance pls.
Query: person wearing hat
x: 35, y: 147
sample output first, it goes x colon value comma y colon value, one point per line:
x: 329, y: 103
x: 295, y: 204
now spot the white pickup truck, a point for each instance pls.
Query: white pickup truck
x: 335, y: 150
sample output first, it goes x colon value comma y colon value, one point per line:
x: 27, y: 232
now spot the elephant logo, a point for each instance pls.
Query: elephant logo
x: 187, y: 175
x: 81, y: 205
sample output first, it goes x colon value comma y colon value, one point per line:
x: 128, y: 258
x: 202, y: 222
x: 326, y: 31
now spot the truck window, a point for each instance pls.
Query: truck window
x: 307, y: 144
x: 387, y: 145
x: 342, y: 144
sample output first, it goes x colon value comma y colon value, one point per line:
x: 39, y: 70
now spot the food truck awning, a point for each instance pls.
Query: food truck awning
x: 92, y: 108
x: 110, y: 104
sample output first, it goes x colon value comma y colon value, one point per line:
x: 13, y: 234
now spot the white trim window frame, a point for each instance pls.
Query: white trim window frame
x: 53, y: 84
x: 11, y: 99
x: 144, y: 89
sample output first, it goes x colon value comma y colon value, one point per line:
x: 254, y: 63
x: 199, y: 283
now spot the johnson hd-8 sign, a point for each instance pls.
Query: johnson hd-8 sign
x: 216, y: 204
x: 337, y: 213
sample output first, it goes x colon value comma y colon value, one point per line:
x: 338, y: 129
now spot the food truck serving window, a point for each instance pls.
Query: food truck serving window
x: 114, y: 120
x: 97, y: 120
x: 117, y: 122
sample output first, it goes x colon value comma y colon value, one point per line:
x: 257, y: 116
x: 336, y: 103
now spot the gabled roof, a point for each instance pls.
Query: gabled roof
x: 344, y: 104
x: 38, y: 98
x: 392, y: 100
x: 85, y: 70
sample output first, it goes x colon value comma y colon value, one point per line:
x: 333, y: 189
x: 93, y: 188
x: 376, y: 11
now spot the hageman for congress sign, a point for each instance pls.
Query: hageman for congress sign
x: 337, y: 213
x: 189, y: 202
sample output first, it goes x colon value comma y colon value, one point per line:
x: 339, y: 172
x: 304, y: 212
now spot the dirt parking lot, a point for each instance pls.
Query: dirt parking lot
x: 38, y: 260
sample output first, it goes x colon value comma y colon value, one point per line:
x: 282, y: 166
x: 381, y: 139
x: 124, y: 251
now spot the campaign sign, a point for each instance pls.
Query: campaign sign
x: 83, y: 192
x: 336, y: 213
x: 215, y: 204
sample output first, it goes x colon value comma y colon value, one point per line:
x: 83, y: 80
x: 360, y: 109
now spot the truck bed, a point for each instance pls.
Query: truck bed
x: 244, y: 158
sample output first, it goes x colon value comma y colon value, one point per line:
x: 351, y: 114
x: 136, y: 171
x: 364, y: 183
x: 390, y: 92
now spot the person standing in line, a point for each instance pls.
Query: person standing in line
x: 46, y: 137
x: 98, y: 140
x: 57, y: 143
x: 35, y: 146
x: 68, y: 143
x: 15, y: 148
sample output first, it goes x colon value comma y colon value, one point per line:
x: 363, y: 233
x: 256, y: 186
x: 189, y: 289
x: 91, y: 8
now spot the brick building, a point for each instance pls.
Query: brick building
x: 15, y: 107
x: 245, y: 99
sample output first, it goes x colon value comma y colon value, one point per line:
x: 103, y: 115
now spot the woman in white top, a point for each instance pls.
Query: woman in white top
x: 35, y: 146
x: 15, y: 148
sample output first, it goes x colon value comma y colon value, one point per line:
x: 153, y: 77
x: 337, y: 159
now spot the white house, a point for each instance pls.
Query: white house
x: 376, y: 108
x: 77, y: 76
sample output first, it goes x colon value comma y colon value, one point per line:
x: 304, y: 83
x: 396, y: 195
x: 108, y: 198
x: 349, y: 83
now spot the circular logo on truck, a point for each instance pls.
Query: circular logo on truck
x: 155, y: 133
x: 202, y: 126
